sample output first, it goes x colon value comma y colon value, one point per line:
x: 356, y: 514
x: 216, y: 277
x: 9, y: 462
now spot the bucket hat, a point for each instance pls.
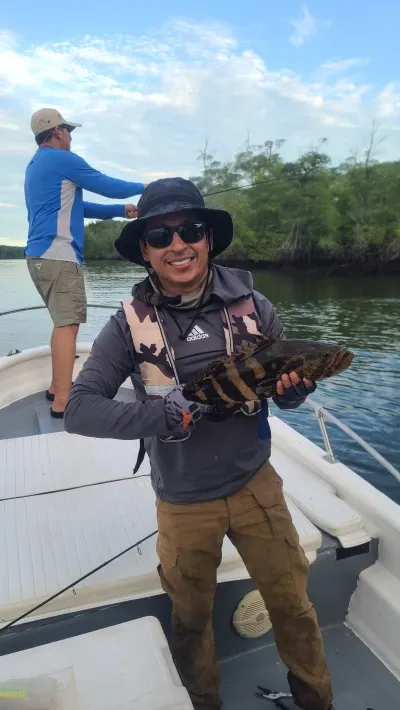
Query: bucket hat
x: 164, y: 197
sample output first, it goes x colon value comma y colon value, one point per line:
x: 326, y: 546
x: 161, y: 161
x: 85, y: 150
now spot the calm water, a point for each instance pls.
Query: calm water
x: 362, y: 312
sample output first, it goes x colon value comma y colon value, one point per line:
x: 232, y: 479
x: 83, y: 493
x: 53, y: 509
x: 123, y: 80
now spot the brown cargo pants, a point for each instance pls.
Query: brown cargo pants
x: 258, y: 522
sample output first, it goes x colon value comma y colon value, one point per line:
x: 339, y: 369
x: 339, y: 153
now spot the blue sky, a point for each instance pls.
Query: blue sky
x: 152, y: 82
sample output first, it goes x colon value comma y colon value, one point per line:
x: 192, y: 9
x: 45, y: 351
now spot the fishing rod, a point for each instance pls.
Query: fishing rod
x: 76, y: 582
x: 38, y: 308
x: 39, y: 494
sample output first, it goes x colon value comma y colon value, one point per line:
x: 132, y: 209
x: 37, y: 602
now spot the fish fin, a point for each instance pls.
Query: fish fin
x: 248, y: 349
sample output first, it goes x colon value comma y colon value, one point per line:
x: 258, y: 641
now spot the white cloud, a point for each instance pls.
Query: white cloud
x: 342, y: 66
x: 131, y: 173
x: 388, y: 101
x: 7, y: 205
x: 148, y: 104
x: 304, y: 26
x: 6, y: 122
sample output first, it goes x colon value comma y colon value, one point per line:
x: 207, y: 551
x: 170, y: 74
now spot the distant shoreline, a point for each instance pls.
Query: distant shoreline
x: 322, y: 267
x: 327, y: 267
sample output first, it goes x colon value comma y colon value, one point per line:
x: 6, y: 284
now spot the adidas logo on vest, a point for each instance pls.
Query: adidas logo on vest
x: 197, y: 334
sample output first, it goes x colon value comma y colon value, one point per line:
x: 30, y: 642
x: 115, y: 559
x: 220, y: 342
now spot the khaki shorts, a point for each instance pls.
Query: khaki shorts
x: 62, y: 288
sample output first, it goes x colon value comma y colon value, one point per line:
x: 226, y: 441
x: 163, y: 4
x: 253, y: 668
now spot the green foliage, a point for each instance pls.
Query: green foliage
x: 306, y: 211
x: 8, y: 252
x: 100, y: 238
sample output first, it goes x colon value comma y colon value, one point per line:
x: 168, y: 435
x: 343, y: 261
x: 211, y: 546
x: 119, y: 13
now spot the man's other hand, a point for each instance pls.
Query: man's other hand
x: 130, y: 211
x: 288, y: 381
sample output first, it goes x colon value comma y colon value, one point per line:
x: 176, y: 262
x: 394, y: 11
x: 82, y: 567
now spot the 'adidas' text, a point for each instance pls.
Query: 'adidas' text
x: 197, y: 334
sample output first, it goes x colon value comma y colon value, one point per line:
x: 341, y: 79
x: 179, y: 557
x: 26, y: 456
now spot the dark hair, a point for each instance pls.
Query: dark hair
x: 44, y: 136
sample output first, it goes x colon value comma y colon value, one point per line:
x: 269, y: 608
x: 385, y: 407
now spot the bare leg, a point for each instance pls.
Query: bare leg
x: 51, y: 388
x: 63, y: 350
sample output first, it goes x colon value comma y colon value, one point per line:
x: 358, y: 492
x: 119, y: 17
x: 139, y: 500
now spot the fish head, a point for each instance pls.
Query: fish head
x: 312, y: 359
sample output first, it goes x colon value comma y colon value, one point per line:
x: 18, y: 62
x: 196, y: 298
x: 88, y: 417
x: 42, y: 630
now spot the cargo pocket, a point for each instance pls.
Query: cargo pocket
x: 168, y: 569
x: 168, y: 558
x: 70, y: 289
x: 67, y: 280
x: 299, y: 566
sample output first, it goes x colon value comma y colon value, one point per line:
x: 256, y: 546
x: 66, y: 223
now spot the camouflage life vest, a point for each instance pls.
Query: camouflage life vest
x: 155, y: 355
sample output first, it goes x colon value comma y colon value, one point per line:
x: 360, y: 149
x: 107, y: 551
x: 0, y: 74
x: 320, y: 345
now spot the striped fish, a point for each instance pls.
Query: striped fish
x: 253, y: 372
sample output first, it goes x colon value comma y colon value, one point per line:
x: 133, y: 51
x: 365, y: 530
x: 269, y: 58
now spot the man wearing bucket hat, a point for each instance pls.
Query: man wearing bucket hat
x: 211, y: 475
x: 54, y: 180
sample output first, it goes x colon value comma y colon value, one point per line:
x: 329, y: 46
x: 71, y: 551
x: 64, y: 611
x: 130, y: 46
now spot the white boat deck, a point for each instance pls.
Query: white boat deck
x: 51, y: 462
x: 51, y: 533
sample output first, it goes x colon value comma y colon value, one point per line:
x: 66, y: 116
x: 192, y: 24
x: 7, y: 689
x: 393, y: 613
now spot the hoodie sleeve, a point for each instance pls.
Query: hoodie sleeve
x: 272, y: 326
x: 91, y: 409
x: 96, y: 210
x: 82, y: 174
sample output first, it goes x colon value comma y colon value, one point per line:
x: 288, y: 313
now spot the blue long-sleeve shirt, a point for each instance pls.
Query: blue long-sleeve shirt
x: 54, y: 180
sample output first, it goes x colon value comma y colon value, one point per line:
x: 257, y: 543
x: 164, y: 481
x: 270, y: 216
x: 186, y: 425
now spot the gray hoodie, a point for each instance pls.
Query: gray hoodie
x: 220, y: 456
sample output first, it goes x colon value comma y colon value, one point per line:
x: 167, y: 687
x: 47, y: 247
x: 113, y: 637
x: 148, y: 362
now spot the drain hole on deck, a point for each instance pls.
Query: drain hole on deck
x: 251, y: 619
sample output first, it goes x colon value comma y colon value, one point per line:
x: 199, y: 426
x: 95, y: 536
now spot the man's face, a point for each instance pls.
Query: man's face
x: 181, y: 267
x: 64, y: 137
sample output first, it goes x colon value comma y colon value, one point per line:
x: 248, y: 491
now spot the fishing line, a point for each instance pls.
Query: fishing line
x: 260, y: 182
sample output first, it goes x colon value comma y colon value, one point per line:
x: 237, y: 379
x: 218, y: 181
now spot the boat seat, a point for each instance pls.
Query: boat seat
x: 50, y: 540
x: 130, y: 667
x: 318, y: 501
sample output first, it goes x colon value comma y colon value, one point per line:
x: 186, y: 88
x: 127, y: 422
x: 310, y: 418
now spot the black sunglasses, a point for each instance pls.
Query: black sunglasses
x: 161, y: 237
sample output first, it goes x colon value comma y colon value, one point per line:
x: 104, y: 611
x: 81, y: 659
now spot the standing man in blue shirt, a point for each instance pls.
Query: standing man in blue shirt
x: 54, y: 180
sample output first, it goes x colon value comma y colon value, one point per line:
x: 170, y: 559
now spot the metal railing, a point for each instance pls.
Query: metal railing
x: 321, y: 413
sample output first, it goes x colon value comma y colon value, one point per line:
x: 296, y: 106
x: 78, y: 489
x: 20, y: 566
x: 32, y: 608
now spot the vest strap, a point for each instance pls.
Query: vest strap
x: 140, y: 456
